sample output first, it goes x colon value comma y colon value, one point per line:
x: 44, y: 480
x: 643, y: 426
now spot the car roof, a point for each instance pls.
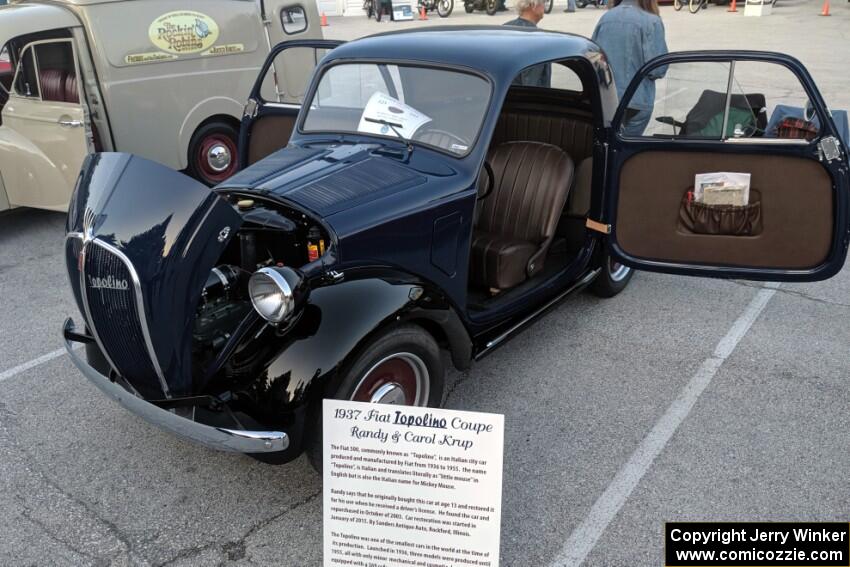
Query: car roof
x: 499, y: 51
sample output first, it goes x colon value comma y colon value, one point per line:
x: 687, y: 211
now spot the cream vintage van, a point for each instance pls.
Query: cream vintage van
x: 164, y: 79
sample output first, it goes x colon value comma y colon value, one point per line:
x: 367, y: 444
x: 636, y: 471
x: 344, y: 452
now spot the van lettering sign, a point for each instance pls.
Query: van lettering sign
x: 183, y: 31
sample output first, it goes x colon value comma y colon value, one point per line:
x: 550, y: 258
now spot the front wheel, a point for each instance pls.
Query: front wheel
x: 445, y: 7
x: 402, y: 366
x: 677, y: 5
x: 469, y: 7
x: 694, y: 6
x: 492, y: 7
x: 549, y: 5
x: 613, y: 278
x: 213, y: 154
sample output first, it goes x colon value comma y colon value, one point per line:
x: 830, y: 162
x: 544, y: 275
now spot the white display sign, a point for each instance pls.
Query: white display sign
x: 408, y: 486
x: 390, y: 117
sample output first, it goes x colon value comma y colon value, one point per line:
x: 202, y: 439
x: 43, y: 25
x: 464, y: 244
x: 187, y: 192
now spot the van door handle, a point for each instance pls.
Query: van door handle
x: 70, y: 123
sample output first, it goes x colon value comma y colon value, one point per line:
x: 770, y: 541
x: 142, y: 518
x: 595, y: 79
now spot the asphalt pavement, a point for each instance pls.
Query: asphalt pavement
x: 680, y: 399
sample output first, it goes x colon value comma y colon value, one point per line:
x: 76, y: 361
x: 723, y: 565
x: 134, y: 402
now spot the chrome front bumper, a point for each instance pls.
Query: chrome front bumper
x: 219, y: 438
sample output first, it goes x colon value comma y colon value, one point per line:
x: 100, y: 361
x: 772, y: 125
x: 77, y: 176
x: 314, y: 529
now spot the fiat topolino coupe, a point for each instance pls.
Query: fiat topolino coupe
x: 431, y: 198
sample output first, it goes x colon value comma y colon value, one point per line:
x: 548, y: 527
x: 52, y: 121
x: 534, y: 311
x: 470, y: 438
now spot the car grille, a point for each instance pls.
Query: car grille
x: 113, y: 306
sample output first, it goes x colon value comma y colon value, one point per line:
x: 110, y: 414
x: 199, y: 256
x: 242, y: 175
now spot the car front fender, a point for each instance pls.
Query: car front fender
x: 337, y: 323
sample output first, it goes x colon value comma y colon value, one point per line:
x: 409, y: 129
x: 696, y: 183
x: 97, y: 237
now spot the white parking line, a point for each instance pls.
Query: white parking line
x: 12, y: 372
x: 582, y: 541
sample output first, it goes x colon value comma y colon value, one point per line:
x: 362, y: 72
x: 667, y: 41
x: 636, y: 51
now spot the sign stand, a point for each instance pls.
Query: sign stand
x: 410, y: 486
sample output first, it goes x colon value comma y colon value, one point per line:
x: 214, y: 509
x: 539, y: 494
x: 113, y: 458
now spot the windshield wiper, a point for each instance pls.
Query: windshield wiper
x: 395, y: 128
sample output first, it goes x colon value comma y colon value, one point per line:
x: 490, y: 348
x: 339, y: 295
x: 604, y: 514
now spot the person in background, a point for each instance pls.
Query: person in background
x: 571, y: 6
x: 530, y: 13
x: 631, y: 33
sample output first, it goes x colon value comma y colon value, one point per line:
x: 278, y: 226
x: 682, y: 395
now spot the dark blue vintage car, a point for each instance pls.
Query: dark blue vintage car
x: 436, y: 192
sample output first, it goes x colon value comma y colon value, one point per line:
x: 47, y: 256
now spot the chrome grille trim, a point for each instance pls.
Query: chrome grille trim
x: 140, y: 307
x: 85, y: 298
x: 73, y: 270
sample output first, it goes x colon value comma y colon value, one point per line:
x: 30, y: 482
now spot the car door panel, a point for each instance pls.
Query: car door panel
x: 795, y: 225
x: 788, y: 241
x: 39, y: 156
x: 276, y: 97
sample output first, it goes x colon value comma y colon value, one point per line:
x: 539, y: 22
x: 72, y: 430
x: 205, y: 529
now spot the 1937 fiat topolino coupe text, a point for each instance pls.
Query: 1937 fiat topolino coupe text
x: 426, y: 200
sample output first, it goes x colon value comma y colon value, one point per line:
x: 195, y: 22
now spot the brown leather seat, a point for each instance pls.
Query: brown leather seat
x: 52, y: 82
x: 517, y: 220
x: 578, y: 204
x: 573, y: 134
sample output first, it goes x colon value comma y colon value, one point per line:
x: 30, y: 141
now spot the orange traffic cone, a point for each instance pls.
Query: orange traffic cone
x: 825, y: 11
x: 733, y: 7
x: 422, y: 14
x: 324, y: 22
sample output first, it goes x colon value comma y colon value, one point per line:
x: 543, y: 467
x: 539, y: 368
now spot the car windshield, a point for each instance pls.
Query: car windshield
x: 435, y: 107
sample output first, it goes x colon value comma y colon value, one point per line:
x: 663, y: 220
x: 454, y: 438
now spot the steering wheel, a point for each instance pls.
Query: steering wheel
x: 443, y: 139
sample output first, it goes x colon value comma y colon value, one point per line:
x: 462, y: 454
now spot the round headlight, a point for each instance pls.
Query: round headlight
x: 276, y: 293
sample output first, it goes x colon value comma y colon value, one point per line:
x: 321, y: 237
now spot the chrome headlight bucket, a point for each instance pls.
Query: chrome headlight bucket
x: 277, y: 293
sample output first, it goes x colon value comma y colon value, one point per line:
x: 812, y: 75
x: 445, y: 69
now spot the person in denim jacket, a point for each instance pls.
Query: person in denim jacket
x: 631, y: 33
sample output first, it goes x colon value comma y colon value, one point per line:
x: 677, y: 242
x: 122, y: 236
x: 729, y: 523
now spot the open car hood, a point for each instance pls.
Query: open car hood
x: 142, y: 240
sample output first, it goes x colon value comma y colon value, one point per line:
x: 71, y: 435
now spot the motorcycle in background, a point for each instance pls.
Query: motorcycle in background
x: 444, y: 7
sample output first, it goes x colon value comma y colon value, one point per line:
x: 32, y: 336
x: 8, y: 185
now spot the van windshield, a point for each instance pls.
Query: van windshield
x: 434, y: 107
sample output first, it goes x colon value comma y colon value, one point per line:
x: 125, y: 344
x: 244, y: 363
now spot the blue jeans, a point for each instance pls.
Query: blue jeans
x: 571, y: 4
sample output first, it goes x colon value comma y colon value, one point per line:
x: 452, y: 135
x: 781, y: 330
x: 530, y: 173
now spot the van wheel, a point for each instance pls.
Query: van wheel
x: 213, y: 154
x: 613, y: 278
x: 402, y: 366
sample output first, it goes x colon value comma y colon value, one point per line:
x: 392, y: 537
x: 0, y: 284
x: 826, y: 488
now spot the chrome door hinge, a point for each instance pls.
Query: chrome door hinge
x: 829, y: 149
x: 598, y: 226
x: 250, y: 110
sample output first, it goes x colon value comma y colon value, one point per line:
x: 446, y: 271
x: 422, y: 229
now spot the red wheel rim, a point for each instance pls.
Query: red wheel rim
x: 400, y: 379
x: 216, y: 157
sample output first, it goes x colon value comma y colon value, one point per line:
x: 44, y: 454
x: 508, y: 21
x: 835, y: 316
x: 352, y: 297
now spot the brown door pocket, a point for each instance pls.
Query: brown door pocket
x: 729, y: 220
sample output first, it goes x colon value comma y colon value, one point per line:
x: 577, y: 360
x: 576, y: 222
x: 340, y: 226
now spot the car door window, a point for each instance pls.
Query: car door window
x: 47, y: 71
x: 720, y: 100
x: 289, y: 76
x: 26, y: 75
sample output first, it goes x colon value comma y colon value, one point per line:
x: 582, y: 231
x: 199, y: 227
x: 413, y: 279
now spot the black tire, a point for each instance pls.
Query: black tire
x: 581, y: 3
x: 612, y: 279
x: 394, y: 345
x: 549, y: 5
x: 468, y: 7
x: 218, y: 134
x: 677, y: 5
x: 694, y: 6
x: 445, y: 7
x: 492, y: 7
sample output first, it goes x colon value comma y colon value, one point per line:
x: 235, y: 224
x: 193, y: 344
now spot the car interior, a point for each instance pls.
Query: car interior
x: 530, y: 225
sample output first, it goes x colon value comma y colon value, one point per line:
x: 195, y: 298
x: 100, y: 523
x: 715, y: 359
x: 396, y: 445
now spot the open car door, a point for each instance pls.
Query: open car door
x: 720, y: 113
x: 277, y: 95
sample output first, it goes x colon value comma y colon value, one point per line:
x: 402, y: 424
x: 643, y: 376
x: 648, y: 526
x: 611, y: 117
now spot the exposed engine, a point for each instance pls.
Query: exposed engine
x: 271, y: 236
